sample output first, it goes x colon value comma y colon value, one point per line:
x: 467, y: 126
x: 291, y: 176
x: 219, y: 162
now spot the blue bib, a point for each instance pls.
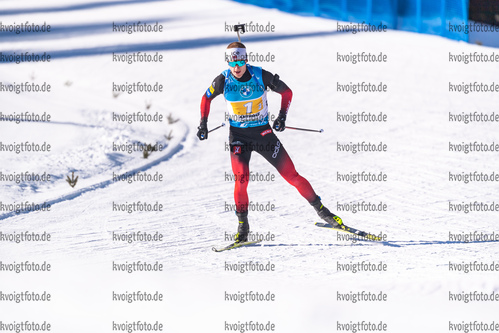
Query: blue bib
x: 246, y: 101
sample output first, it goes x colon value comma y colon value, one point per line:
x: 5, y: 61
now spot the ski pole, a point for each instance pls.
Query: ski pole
x: 305, y: 129
x: 223, y: 124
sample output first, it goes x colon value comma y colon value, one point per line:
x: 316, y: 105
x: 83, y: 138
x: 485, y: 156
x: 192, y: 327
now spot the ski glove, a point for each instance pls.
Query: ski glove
x: 279, y: 123
x: 203, y: 130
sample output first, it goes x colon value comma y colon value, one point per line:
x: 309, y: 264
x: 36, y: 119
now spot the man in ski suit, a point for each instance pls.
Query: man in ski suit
x: 245, y: 90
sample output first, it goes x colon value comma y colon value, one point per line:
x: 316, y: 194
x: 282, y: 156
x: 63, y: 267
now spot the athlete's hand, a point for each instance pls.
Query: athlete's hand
x: 203, y: 130
x: 280, y: 123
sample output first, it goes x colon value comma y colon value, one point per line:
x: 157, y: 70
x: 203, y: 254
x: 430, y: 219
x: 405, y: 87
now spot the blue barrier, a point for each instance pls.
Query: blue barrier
x: 437, y: 17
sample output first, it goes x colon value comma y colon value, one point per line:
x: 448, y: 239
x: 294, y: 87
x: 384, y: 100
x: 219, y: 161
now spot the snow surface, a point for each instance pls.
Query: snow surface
x: 194, y: 191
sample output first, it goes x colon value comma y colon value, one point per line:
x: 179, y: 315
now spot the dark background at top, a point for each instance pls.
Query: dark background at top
x: 486, y: 11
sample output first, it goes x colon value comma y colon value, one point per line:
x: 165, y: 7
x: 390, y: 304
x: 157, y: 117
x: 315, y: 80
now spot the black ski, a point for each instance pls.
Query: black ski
x: 362, y: 235
x: 235, y: 246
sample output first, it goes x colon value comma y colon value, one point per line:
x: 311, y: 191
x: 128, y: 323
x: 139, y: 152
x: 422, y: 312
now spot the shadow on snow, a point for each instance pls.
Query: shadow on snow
x: 85, y: 6
x: 171, y: 45
x: 108, y: 182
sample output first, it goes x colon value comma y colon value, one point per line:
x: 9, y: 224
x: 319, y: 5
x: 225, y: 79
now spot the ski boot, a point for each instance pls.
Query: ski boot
x: 242, y: 228
x: 326, y: 215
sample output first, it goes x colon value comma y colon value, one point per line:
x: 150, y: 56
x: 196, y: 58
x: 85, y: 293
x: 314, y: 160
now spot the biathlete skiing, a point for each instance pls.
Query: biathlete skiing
x: 245, y: 90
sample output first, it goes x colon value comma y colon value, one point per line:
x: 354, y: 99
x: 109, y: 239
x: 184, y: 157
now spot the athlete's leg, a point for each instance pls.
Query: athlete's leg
x: 239, y: 158
x: 279, y: 158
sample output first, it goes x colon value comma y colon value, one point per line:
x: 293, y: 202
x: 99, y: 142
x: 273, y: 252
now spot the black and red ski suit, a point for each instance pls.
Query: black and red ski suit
x: 243, y: 141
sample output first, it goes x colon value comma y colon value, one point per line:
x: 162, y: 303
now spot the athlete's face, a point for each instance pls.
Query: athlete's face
x: 237, y: 71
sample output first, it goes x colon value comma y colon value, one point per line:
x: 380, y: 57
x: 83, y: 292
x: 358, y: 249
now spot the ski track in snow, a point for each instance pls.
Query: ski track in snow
x: 173, y: 147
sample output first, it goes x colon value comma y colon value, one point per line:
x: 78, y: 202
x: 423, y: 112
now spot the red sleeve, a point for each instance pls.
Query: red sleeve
x: 286, y: 96
x: 215, y: 89
x: 205, y: 107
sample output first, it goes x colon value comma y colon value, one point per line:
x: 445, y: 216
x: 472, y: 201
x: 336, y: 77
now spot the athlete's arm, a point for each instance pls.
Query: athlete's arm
x: 216, y: 88
x: 213, y: 91
x: 275, y: 84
